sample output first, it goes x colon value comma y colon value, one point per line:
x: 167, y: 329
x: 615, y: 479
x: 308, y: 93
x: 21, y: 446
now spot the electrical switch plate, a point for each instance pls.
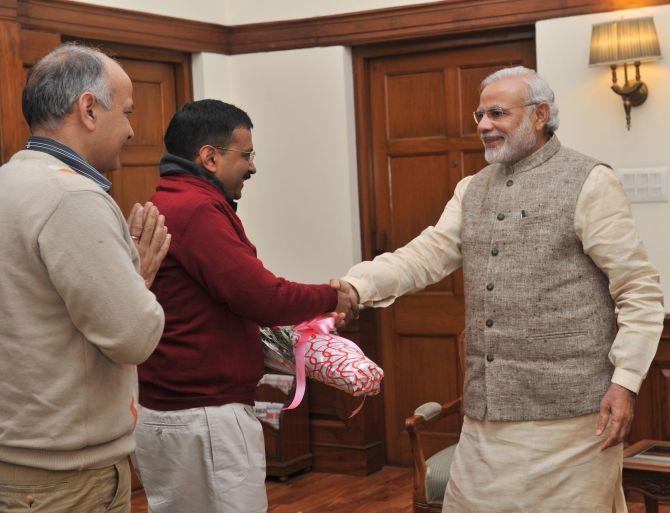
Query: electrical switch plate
x: 645, y: 185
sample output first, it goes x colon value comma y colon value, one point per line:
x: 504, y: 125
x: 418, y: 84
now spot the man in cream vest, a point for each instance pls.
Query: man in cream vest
x: 549, y: 249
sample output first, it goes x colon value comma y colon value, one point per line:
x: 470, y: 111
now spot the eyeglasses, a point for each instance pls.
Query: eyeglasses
x: 497, y: 113
x: 247, y: 155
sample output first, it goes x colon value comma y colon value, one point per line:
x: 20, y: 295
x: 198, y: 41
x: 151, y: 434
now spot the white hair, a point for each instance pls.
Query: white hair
x: 538, y: 91
x: 58, y: 79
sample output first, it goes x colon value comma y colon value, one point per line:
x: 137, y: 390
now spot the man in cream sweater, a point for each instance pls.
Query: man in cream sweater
x: 77, y: 316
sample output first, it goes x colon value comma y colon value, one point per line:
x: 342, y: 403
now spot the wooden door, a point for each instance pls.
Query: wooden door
x: 423, y: 141
x: 161, y: 82
x: 19, y: 50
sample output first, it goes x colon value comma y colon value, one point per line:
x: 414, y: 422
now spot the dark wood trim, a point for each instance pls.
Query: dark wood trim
x: 433, y: 20
x: 413, y: 22
x: 93, y: 22
x: 666, y: 328
x: 8, y: 10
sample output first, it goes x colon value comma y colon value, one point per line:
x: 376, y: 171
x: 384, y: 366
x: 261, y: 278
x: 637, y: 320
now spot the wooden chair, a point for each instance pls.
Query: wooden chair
x: 430, y: 476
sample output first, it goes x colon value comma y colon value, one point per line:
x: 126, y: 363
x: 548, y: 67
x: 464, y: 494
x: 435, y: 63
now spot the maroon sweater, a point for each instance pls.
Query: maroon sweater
x: 215, y: 293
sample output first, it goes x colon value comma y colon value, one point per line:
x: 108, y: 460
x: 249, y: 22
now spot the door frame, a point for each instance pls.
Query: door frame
x: 372, y: 241
x: 181, y: 61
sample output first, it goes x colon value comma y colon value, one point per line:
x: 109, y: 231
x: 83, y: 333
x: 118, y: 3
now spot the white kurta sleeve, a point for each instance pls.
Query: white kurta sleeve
x: 605, y: 226
x: 425, y: 260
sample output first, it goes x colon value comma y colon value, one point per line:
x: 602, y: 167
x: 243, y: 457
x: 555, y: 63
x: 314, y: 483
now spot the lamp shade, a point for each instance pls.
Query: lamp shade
x: 616, y: 42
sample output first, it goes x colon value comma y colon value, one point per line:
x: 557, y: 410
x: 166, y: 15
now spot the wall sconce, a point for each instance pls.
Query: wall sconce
x: 623, y: 42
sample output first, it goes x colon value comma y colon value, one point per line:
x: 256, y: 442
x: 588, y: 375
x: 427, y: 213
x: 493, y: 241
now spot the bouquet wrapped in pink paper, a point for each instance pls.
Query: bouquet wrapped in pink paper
x: 311, y: 349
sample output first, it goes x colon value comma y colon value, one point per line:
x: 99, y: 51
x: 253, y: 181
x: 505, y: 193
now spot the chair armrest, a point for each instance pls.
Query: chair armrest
x: 424, y: 415
x: 429, y: 413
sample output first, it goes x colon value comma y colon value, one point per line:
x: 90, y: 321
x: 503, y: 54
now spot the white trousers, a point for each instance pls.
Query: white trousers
x: 548, y: 466
x: 202, y: 460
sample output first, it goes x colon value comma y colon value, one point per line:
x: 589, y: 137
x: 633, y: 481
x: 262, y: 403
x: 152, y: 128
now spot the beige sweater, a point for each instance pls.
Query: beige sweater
x: 75, y: 319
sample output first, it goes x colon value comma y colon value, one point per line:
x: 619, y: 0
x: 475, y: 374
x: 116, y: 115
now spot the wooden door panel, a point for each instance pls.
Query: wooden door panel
x: 141, y: 155
x: 416, y: 355
x: 425, y: 204
x: 423, y: 144
x: 154, y: 97
x: 133, y: 184
x: 156, y: 94
x: 662, y: 393
x: 35, y: 44
x: 416, y: 104
x: 430, y: 314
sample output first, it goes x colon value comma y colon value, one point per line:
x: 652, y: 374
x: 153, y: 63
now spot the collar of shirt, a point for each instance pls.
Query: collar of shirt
x: 70, y: 157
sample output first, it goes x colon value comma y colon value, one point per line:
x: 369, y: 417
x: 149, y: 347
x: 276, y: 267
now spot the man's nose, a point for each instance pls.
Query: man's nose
x: 484, y: 125
x: 252, y: 167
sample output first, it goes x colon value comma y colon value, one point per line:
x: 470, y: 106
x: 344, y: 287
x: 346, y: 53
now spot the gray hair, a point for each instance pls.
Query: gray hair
x: 538, y: 91
x: 59, y: 79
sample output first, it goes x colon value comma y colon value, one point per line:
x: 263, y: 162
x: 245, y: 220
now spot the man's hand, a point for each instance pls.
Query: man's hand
x: 151, y: 237
x: 347, y: 300
x: 618, y: 406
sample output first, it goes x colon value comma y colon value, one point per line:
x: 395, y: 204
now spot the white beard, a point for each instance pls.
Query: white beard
x: 516, y: 145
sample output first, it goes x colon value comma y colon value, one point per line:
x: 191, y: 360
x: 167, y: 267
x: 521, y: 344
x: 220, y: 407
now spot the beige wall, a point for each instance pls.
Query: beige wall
x: 210, y: 11
x: 301, y: 207
x: 239, y: 12
x: 592, y: 116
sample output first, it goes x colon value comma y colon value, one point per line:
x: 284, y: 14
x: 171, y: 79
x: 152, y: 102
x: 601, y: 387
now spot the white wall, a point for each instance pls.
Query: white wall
x: 301, y: 207
x: 239, y: 12
x: 208, y: 11
x: 592, y: 116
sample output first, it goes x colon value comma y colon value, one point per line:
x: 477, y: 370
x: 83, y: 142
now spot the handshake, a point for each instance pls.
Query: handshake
x: 347, y: 302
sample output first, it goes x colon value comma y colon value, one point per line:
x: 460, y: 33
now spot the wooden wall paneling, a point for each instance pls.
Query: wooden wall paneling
x: 652, y: 416
x: 19, y: 49
x: 287, y: 449
x: 8, y: 10
x: 35, y: 44
x: 11, y: 73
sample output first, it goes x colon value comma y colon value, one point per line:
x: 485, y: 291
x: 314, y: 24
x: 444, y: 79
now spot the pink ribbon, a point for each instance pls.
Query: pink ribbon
x: 308, y: 331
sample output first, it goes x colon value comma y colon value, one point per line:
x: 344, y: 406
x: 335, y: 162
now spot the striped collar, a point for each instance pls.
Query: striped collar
x: 68, y: 156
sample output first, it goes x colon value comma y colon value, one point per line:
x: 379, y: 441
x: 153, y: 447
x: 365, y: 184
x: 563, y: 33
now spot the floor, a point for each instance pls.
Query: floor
x: 386, y: 491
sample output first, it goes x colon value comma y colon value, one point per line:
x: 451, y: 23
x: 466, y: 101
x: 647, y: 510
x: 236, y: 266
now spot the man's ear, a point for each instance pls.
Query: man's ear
x: 207, y: 158
x: 542, y: 114
x: 85, y: 109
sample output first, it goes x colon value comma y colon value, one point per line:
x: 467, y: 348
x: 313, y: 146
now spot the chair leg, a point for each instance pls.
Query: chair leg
x: 650, y: 505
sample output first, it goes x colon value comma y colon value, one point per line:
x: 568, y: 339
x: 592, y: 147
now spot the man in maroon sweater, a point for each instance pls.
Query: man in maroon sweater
x: 199, y: 445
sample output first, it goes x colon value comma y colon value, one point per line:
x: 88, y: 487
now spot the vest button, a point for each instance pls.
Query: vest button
x: 494, y: 251
x: 489, y: 286
x: 501, y: 216
x: 489, y: 323
x: 490, y: 358
x: 510, y: 183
